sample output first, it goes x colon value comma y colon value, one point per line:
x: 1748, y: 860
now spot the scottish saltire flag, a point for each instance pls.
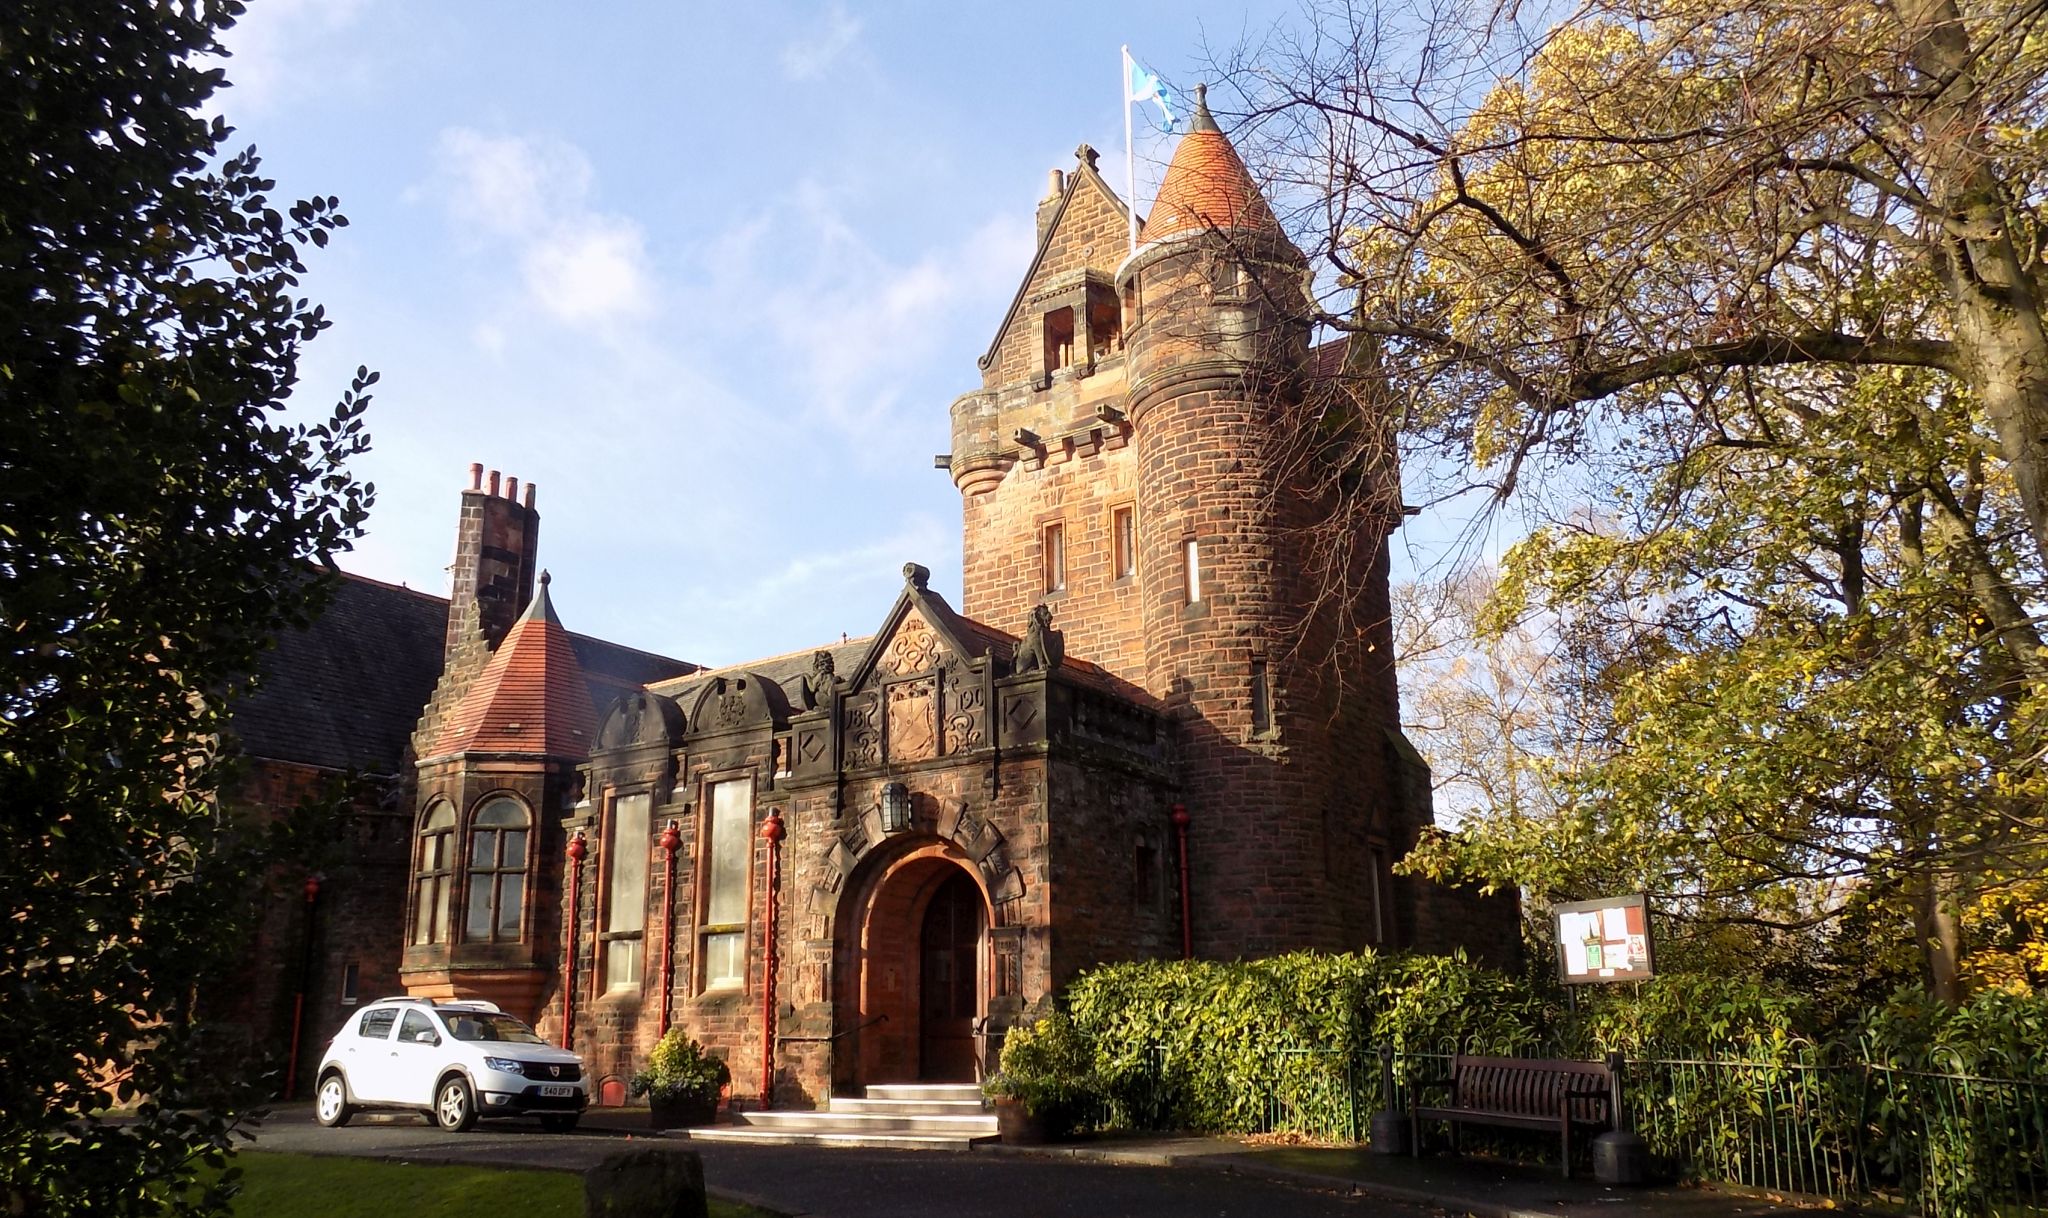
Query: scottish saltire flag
x: 1145, y: 86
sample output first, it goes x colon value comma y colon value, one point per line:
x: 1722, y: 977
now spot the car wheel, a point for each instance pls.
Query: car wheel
x: 330, y: 1103
x: 455, y: 1105
x: 560, y: 1122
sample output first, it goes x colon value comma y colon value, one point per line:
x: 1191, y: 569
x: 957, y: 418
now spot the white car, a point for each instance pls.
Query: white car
x: 455, y: 1061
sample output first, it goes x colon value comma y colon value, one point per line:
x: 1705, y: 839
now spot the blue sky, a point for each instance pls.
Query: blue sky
x: 708, y: 274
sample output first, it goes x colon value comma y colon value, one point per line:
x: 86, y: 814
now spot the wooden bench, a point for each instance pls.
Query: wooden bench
x: 1520, y: 1093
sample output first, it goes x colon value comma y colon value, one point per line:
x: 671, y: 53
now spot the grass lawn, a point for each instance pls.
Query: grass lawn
x: 314, y: 1186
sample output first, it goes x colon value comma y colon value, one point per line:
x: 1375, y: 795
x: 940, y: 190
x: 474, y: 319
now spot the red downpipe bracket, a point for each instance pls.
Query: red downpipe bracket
x: 578, y: 847
x: 1187, y: 928
x: 772, y: 834
x: 671, y: 838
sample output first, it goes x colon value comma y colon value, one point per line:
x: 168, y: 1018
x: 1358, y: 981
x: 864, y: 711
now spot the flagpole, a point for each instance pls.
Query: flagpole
x: 1130, y: 153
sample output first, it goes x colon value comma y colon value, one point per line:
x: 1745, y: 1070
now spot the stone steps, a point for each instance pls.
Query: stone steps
x: 892, y: 1116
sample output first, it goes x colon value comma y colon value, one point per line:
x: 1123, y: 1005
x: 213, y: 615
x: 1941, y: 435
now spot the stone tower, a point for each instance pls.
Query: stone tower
x: 1282, y: 758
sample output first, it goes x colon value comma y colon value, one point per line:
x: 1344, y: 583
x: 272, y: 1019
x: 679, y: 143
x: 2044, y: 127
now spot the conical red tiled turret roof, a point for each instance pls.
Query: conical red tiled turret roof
x: 531, y: 697
x: 1207, y: 185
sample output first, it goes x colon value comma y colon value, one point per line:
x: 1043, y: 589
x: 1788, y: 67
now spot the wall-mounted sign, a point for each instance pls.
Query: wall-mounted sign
x: 1604, y: 940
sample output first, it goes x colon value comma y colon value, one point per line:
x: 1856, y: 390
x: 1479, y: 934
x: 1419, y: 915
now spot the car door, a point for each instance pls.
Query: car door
x: 366, y: 1056
x: 416, y: 1057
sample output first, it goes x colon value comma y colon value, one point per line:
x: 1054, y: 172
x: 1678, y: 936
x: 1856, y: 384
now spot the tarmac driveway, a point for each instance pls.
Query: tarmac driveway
x: 845, y: 1183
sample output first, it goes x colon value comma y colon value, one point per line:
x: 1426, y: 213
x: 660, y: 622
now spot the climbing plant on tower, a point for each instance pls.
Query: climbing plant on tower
x: 159, y: 521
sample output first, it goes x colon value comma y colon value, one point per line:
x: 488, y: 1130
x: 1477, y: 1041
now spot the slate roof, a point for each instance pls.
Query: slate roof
x: 1206, y: 185
x: 347, y: 691
x: 531, y: 697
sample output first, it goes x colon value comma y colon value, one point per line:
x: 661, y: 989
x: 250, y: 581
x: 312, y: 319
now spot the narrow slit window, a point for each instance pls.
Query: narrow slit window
x: 350, y: 980
x: 1123, y: 534
x: 1262, y: 701
x: 1055, y: 557
x: 1191, y: 569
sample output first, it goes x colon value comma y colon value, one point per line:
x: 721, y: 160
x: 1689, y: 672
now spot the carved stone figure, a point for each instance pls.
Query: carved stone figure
x: 1043, y: 647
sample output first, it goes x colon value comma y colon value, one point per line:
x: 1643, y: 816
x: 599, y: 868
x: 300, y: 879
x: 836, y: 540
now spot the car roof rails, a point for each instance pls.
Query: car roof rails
x: 458, y: 1004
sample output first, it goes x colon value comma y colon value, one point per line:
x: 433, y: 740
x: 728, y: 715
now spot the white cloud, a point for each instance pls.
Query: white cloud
x: 590, y: 272
x: 579, y: 265
x: 810, y: 56
x: 272, y: 49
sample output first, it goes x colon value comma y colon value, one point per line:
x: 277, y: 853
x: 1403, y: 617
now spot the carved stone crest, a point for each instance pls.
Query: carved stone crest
x: 913, y: 721
x: 914, y: 649
x: 818, y: 686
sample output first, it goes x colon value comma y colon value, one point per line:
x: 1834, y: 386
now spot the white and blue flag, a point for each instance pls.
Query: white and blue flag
x: 1143, y: 85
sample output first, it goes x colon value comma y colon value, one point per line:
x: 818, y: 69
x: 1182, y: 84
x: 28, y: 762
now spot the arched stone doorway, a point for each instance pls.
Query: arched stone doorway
x: 913, y: 970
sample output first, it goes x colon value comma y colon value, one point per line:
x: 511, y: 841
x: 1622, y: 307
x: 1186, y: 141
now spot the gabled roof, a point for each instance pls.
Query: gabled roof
x: 1084, y: 171
x: 531, y: 697
x: 962, y: 636
x: 1206, y: 186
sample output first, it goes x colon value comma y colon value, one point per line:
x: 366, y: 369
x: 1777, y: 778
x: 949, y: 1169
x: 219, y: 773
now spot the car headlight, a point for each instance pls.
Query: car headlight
x: 503, y: 1065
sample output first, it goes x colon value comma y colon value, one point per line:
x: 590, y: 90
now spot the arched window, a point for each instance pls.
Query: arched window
x: 497, y: 871
x: 433, y: 873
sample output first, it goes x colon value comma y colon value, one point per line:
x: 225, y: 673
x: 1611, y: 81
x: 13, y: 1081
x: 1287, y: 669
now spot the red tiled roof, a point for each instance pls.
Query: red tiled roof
x: 1206, y: 186
x: 531, y: 698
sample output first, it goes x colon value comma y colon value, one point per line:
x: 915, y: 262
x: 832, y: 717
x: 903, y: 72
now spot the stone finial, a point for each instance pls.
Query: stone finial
x: 545, y: 578
x: 1087, y: 155
x: 1203, y: 120
x: 916, y: 576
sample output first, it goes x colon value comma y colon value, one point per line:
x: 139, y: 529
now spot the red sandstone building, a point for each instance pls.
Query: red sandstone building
x: 861, y: 863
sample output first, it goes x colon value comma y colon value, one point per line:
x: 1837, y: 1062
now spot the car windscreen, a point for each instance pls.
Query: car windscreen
x: 485, y: 1027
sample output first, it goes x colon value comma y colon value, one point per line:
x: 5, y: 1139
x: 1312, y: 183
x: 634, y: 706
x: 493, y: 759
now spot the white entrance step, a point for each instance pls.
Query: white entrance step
x: 893, y: 1116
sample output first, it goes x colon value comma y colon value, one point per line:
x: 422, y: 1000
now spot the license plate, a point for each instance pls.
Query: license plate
x: 553, y: 1090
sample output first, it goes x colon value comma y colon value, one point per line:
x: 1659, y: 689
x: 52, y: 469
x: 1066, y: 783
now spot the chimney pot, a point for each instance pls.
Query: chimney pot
x: 494, y: 482
x: 512, y: 488
x: 1056, y: 184
x: 529, y: 496
x: 476, y: 475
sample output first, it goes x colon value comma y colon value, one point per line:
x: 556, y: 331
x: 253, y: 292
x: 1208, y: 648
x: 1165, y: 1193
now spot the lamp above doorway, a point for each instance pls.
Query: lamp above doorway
x: 895, y: 807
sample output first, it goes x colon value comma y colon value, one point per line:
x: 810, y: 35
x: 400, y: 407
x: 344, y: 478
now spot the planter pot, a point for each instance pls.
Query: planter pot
x: 1020, y: 1126
x: 682, y: 1111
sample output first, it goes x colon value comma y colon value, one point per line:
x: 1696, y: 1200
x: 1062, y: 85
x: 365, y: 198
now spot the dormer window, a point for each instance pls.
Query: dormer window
x: 1059, y: 339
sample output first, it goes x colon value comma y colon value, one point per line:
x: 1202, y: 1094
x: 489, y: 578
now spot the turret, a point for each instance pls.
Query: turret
x: 1217, y: 346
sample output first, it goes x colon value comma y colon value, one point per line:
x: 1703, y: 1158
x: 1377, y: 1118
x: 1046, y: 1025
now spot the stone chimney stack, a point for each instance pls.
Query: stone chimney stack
x: 497, y: 538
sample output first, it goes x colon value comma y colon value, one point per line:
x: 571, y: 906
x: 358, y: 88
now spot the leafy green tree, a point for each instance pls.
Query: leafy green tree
x: 1743, y: 300
x: 158, y: 523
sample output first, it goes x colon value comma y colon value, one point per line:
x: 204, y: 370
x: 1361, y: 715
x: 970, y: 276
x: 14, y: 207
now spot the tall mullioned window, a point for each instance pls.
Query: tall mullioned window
x: 728, y: 858
x: 497, y: 872
x: 434, y: 874
x: 625, y: 914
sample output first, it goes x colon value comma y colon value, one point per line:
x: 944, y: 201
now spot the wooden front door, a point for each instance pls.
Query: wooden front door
x: 949, y: 981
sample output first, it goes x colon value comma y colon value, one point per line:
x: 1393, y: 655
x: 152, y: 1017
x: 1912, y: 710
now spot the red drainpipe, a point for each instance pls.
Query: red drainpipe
x: 671, y: 838
x: 291, y: 1066
x: 772, y: 833
x: 577, y: 849
x: 1187, y: 929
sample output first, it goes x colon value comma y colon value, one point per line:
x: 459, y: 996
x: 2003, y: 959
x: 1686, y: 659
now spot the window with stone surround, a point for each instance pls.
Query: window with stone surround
x: 1053, y: 557
x: 724, y: 874
x: 1123, y: 541
x: 434, y: 874
x: 1262, y: 702
x: 497, y: 871
x: 1059, y: 339
x: 1191, y: 570
x: 625, y: 905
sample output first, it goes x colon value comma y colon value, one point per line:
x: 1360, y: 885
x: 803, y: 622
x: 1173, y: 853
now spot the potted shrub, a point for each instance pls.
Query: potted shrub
x: 681, y: 1082
x: 1044, y: 1082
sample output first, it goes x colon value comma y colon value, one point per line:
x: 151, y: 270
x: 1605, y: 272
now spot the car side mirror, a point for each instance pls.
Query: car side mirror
x: 426, y: 1038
